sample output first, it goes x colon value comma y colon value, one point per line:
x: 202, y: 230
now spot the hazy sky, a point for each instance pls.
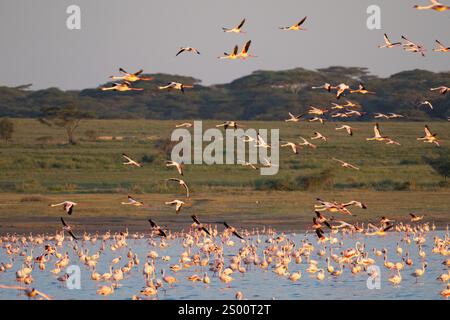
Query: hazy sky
x: 36, y: 46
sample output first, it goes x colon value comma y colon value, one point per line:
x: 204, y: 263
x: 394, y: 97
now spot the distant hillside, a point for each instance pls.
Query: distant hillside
x: 262, y: 95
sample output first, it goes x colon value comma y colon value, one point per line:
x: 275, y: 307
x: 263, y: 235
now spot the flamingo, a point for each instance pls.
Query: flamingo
x: 236, y: 29
x: 295, y: 27
x: 244, y: 53
x: 121, y: 87
x: 175, y: 86
x: 435, y: 5
x: 429, y: 137
x: 388, y: 43
x: 67, y: 206
x: 131, y: 77
x: 231, y: 56
x: 187, y: 49
x: 440, y: 47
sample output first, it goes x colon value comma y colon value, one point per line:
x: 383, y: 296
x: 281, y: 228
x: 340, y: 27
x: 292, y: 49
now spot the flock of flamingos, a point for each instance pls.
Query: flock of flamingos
x: 205, y: 247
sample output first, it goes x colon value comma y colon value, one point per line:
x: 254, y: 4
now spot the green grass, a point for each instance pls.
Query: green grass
x: 29, y: 165
x: 393, y: 180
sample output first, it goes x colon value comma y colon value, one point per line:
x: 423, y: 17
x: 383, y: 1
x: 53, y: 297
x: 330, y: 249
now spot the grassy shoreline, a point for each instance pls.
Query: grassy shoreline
x: 292, y: 211
x: 30, y: 164
x: 393, y: 180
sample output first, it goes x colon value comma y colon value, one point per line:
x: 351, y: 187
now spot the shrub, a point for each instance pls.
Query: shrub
x: 407, y: 162
x: 350, y: 185
x: 295, y: 166
x: 389, y: 185
x: 322, y: 181
x: 165, y: 146
x: 136, y: 189
x: 444, y: 184
x: 148, y: 158
x: 90, y: 134
x: 70, y: 187
x: 6, y: 129
x: 33, y: 198
x: 441, y: 164
x: 58, y: 165
x: 30, y: 186
x: 265, y: 184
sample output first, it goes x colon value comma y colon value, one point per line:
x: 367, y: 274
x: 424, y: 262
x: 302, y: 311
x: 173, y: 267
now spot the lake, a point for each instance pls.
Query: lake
x: 255, y: 283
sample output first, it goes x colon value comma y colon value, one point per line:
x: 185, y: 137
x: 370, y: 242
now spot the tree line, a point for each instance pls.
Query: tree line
x: 262, y: 95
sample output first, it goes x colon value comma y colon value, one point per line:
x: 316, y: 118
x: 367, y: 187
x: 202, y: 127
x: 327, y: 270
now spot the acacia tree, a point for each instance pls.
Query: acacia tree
x: 6, y: 129
x: 68, y: 117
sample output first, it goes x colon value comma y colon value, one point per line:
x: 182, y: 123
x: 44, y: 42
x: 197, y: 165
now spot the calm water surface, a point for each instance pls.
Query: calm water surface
x: 255, y: 283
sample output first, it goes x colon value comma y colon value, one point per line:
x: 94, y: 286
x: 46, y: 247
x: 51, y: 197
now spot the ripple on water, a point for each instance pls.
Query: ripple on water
x: 255, y: 283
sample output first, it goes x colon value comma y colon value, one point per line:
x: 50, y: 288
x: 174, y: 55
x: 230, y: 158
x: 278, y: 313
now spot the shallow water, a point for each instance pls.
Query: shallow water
x: 254, y: 284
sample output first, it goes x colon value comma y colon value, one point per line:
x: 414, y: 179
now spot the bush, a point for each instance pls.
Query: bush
x: 296, y: 166
x: 322, y: 181
x: 441, y: 164
x: 407, y: 162
x: 70, y: 187
x: 59, y: 165
x: 148, y: 158
x: 389, y: 185
x: 444, y: 184
x: 30, y: 186
x: 90, y: 134
x: 265, y: 184
x: 6, y: 129
x: 136, y: 189
x: 165, y: 146
x: 350, y: 185
x: 34, y: 198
